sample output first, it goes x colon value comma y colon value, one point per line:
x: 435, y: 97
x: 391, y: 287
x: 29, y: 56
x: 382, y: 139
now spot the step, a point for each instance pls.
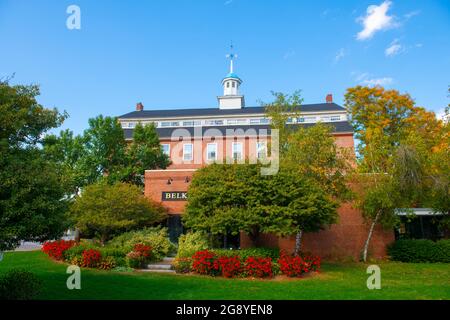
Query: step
x: 157, y: 271
x: 158, y: 266
x: 168, y: 259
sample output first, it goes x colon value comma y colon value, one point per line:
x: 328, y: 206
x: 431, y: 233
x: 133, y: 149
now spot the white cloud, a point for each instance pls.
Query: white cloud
x: 376, y: 19
x: 366, y: 79
x: 394, y: 49
x: 411, y: 14
x: 339, y: 55
x: 378, y: 81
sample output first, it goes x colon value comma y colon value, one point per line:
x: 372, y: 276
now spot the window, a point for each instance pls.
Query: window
x: 310, y: 119
x: 214, y: 122
x: 131, y: 124
x: 228, y: 84
x: 233, y: 84
x: 237, y: 150
x: 335, y: 118
x: 191, y: 123
x: 187, y: 152
x: 300, y: 120
x: 261, y: 150
x: 260, y: 121
x: 211, y: 152
x: 236, y: 121
x: 166, y: 149
x: 170, y: 124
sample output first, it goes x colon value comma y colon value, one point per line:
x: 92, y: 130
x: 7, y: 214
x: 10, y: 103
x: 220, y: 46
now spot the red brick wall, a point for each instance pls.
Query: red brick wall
x: 342, y: 240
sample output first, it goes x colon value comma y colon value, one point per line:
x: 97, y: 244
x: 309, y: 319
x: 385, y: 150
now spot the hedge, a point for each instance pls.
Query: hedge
x: 420, y: 251
x: 249, y: 252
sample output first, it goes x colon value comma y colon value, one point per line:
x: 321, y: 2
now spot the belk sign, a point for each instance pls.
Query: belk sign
x: 174, y: 196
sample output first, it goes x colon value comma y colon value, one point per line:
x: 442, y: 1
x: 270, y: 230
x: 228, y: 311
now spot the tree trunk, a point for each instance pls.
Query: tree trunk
x: 369, y: 236
x: 77, y: 235
x: 298, y: 242
x: 254, y: 235
x: 225, y: 241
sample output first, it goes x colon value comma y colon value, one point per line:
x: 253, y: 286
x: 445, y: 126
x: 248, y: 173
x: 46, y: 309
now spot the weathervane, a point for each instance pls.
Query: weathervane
x: 232, y: 56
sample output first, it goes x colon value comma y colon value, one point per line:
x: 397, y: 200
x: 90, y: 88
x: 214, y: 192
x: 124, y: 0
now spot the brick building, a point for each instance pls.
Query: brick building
x: 232, y: 131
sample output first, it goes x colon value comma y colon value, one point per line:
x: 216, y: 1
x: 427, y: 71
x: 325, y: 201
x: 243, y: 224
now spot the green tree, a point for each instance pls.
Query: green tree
x: 232, y: 198
x: 312, y: 154
x: 144, y: 153
x: 398, y: 141
x: 32, y: 204
x: 283, y: 110
x: 102, y: 153
x: 104, y: 210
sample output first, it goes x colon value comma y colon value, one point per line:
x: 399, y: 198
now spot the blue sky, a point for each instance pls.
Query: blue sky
x: 171, y: 54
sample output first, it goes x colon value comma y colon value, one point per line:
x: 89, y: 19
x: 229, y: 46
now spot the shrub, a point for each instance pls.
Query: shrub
x: 143, y: 250
x: 250, y: 252
x: 135, y: 260
x: 18, y: 284
x: 56, y: 249
x: 228, y: 267
x: 295, y: 266
x: 190, y: 243
x: 107, y: 263
x: 106, y: 210
x: 156, y: 238
x: 258, y: 267
x: 91, y: 258
x: 420, y: 250
x: 203, y: 263
x: 182, y: 265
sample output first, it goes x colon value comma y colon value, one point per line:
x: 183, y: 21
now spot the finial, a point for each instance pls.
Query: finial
x: 231, y: 55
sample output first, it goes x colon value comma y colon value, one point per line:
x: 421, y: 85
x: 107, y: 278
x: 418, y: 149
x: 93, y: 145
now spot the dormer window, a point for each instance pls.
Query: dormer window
x: 228, y: 84
x: 233, y: 84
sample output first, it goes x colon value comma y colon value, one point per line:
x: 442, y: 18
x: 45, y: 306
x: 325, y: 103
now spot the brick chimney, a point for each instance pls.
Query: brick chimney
x: 329, y: 98
x: 139, y: 106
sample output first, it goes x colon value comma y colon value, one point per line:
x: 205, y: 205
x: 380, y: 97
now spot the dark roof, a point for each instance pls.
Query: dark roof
x: 222, y: 112
x: 338, y: 127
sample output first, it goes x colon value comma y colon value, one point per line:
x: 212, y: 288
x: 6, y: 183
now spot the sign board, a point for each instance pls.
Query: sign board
x: 174, y: 196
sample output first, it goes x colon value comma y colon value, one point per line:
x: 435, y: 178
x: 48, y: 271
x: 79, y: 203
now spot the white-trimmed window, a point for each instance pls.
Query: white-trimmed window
x: 335, y: 118
x: 188, y: 152
x: 165, y: 147
x: 131, y: 124
x: 211, y: 151
x: 261, y: 150
x: 237, y: 150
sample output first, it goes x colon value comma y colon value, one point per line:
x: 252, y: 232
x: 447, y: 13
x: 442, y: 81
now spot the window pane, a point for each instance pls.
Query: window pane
x: 166, y: 149
x: 187, y: 152
x: 211, y: 151
x: 237, y: 151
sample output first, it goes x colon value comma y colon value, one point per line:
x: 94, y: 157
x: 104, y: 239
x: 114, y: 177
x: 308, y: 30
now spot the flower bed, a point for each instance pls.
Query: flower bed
x: 88, y: 255
x: 206, y: 262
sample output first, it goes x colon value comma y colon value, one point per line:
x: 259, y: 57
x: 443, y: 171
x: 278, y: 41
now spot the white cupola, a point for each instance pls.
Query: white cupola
x: 231, y: 98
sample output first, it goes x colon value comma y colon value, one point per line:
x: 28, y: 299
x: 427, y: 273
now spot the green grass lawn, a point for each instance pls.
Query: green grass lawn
x: 336, y: 281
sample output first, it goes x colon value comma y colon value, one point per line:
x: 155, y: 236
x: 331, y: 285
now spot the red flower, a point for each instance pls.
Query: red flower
x: 203, y: 262
x: 259, y: 267
x: 143, y: 250
x: 294, y: 266
x: 228, y: 266
x: 55, y: 249
x: 91, y: 258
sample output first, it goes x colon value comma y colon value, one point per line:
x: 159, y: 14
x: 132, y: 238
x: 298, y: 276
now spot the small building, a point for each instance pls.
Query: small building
x: 192, y: 138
